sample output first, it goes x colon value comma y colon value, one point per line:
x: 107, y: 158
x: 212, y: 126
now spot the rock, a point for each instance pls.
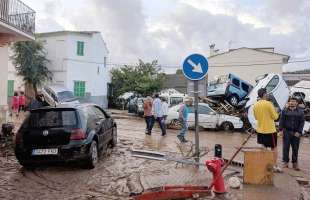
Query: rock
x: 302, y: 181
x: 234, y: 182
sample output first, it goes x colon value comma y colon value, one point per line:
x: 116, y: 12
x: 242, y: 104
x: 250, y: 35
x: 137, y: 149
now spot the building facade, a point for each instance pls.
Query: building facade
x: 17, y: 23
x: 78, y: 61
x: 246, y: 63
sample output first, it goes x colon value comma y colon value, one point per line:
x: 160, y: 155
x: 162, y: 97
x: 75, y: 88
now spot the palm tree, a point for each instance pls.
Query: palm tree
x: 30, y: 61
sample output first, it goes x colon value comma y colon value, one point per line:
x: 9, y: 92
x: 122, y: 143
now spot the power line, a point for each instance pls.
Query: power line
x: 216, y: 65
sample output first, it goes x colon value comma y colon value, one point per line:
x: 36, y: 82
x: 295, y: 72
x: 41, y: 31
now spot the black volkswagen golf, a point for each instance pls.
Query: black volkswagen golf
x: 65, y: 133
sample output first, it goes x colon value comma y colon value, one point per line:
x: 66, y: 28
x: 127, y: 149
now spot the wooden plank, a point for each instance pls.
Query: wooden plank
x: 258, y: 167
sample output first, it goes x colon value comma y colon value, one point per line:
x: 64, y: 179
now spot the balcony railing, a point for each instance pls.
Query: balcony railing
x: 17, y: 14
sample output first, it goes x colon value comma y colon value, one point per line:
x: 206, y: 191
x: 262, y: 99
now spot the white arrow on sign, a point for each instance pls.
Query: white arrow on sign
x: 196, y: 67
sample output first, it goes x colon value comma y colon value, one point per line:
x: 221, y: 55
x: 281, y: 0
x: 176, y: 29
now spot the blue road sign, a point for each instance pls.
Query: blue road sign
x: 195, y: 67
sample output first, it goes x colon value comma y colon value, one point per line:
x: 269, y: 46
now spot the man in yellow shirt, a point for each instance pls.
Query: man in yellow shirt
x: 265, y: 114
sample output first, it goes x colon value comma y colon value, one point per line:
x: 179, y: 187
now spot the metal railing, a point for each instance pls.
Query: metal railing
x: 17, y: 14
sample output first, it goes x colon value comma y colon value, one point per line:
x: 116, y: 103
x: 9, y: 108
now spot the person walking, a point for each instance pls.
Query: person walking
x: 149, y: 119
x: 165, y: 108
x: 22, y: 102
x: 158, y: 114
x: 265, y: 114
x: 15, y: 104
x: 291, y: 126
x: 183, y: 117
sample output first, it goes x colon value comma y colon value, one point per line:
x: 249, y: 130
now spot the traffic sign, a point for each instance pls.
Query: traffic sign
x: 195, y: 67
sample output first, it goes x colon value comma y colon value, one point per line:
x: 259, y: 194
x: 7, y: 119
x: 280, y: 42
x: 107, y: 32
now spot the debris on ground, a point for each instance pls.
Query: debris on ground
x: 234, y: 182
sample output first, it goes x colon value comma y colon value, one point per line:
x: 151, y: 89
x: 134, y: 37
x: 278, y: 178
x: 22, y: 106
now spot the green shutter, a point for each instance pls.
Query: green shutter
x: 79, y: 88
x: 10, y: 88
x: 80, y: 48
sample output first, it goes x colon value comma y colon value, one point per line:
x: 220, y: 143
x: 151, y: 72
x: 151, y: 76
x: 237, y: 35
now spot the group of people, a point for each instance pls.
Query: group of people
x: 291, y: 125
x: 18, y: 103
x: 155, y: 110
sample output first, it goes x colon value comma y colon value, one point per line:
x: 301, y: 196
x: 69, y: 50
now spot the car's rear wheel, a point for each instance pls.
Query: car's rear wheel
x: 114, y: 137
x: 92, y: 159
x: 227, y: 126
x: 233, y: 100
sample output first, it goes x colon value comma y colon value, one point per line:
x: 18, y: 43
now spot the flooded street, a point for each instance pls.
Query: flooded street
x: 118, y: 175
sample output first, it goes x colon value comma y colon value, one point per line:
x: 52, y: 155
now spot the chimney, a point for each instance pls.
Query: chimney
x: 213, y: 51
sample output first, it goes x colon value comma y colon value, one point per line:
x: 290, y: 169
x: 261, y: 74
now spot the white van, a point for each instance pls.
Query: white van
x: 277, y: 90
x: 174, y: 99
x: 302, y: 89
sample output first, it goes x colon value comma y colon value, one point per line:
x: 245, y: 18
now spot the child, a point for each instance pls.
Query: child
x: 15, y: 104
x: 22, y: 102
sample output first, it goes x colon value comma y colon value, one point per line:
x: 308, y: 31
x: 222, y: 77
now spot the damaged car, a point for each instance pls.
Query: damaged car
x: 208, y: 118
x: 229, y: 87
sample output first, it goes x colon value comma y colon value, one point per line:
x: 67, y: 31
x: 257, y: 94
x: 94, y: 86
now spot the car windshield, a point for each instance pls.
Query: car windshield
x: 175, y: 100
x: 65, y: 96
x: 58, y: 118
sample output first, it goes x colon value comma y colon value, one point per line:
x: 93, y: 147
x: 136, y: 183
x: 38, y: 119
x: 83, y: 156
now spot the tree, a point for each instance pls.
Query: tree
x: 144, y: 79
x: 30, y: 62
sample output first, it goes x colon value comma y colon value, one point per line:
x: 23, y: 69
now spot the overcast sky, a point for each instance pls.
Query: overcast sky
x: 169, y: 30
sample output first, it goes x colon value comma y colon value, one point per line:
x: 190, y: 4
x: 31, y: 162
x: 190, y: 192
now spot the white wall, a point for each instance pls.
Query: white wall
x: 12, y: 74
x: 4, y: 59
x: 246, y: 57
x: 68, y: 67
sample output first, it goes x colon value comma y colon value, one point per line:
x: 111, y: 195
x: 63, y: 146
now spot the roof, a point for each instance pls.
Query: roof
x: 55, y: 33
x: 253, y: 49
x: 65, y: 106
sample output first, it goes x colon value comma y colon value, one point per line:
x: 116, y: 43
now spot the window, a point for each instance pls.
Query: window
x: 79, y: 88
x: 98, y: 112
x: 272, y: 83
x: 204, y: 110
x: 65, y: 95
x: 80, y: 48
x: 236, y: 82
x: 201, y: 110
x: 245, y: 87
x: 10, y: 88
x: 65, y: 118
x: 105, y: 61
x: 175, y: 100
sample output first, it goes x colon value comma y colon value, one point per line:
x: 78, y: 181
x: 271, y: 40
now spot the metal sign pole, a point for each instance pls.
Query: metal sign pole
x: 197, y: 153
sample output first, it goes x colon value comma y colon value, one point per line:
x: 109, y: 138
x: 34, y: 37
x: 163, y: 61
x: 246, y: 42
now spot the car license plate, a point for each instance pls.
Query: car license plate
x: 36, y: 152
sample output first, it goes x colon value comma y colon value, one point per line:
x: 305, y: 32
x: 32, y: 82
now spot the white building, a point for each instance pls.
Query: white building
x: 78, y: 61
x: 246, y: 63
x: 17, y: 23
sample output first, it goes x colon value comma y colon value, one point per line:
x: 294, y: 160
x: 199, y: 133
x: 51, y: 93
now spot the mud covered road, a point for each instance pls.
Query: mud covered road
x: 119, y: 174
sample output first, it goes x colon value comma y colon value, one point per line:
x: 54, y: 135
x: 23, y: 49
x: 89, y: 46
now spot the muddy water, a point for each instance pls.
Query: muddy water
x: 120, y: 174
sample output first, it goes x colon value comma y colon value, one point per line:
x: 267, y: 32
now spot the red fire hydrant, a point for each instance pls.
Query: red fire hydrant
x: 215, y: 166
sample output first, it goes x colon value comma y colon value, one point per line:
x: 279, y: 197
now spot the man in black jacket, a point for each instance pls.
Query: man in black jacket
x: 292, y: 121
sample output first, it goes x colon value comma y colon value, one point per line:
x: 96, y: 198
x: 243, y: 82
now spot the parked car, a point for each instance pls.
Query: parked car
x: 208, y: 118
x: 302, y: 89
x: 174, y: 99
x: 77, y: 132
x: 135, y: 106
x: 230, y: 88
x: 57, y: 94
